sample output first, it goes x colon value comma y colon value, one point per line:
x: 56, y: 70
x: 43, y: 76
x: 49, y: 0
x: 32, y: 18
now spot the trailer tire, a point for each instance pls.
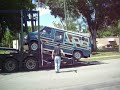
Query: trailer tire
x: 77, y: 55
x: 30, y: 64
x: 10, y: 65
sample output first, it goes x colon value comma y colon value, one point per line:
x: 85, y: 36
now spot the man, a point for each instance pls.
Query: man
x: 56, y: 55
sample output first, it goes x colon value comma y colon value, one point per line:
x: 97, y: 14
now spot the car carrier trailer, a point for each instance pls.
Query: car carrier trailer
x: 28, y: 61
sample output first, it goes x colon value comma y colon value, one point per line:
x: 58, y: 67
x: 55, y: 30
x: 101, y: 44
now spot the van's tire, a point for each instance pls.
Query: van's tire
x: 30, y: 64
x: 33, y: 46
x: 10, y: 65
x: 77, y: 55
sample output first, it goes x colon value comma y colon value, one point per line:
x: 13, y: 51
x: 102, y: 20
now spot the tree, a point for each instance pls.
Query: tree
x: 7, y: 39
x: 58, y: 25
x: 72, y: 25
x: 118, y: 26
x: 97, y: 12
x: 108, y: 31
x: 12, y: 20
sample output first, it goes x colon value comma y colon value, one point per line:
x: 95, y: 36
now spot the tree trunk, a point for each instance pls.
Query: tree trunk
x: 119, y: 41
x: 9, y: 45
x: 94, y: 46
x: 119, y: 34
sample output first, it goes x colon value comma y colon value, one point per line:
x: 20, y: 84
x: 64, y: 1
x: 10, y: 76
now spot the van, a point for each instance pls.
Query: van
x: 73, y: 44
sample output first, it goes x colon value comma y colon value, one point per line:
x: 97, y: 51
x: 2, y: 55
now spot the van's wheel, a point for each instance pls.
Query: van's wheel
x: 33, y: 46
x: 31, y: 64
x: 10, y: 65
x: 77, y: 55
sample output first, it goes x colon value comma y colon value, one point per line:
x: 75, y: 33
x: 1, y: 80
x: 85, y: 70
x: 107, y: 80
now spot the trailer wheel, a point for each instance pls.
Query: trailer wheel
x: 33, y: 46
x: 10, y: 65
x: 77, y: 55
x: 30, y: 64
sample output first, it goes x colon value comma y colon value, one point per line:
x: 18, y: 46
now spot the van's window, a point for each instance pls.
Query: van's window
x: 65, y: 38
x: 46, y: 33
x: 70, y: 37
x: 76, y: 40
x: 78, y: 45
x: 85, y: 39
x: 80, y: 38
x: 59, y: 36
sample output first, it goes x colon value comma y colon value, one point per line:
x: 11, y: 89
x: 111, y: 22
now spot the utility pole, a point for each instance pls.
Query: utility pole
x: 119, y: 40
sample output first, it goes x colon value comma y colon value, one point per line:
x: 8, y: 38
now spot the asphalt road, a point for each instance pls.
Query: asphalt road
x: 103, y: 75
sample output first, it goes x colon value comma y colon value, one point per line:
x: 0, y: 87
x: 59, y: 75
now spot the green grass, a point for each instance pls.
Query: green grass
x: 3, y: 52
x: 104, y: 56
x: 97, y: 54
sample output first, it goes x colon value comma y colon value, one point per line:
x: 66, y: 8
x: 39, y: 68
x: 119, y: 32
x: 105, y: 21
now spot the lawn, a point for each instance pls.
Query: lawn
x: 97, y: 54
x: 4, y: 52
x: 104, y: 56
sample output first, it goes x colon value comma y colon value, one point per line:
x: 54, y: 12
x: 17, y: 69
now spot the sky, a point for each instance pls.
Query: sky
x: 46, y: 19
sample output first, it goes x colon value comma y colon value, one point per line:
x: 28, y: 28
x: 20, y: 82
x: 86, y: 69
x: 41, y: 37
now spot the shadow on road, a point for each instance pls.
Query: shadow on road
x: 76, y: 64
x: 1, y: 73
x: 69, y: 71
x: 84, y: 63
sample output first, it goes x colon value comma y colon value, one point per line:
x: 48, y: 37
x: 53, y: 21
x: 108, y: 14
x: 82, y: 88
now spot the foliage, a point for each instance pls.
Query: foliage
x: 109, y: 31
x: 12, y: 20
x: 7, y: 39
x: 72, y: 25
x: 58, y: 25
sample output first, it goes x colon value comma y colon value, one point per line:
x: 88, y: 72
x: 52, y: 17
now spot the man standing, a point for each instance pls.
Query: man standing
x: 56, y: 54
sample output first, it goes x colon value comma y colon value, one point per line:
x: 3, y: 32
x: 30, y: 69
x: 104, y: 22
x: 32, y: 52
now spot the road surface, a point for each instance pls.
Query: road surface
x: 104, y: 75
